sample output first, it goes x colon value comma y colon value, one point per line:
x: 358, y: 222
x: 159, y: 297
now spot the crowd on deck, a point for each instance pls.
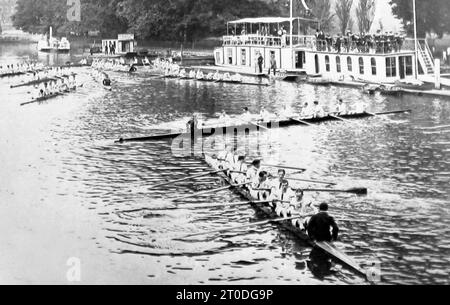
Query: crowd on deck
x: 387, y: 42
x: 363, y: 43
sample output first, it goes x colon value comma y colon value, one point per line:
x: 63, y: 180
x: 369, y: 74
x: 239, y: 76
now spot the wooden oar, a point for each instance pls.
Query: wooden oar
x: 206, y: 206
x: 187, y: 178
x: 313, y: 181
x: 284, y: 167
x: 301, y: 121
x: 253, y: 224
x: 210, y: 191
x: 358, y: 191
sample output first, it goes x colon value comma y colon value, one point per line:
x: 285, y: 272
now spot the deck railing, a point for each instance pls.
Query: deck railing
x: 311, y: 42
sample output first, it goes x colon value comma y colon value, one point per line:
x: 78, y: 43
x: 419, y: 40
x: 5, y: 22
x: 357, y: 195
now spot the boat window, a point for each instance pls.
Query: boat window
x: 373, y: 63
x: 391, y: 67
x: 361, y: 65
x: 338, y: 64
x: 409, y: 65
x: 243, y: 57
x: 327, y: 63
x: 230, y: 56
x: 349, y: 64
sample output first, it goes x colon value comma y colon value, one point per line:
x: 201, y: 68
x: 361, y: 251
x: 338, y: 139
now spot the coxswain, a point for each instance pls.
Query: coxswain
x: 341, y: 108
x: 132, y: 68
x: 253, y: 170
x: 322, y: 227
x: 246, y: 116
x: 317, y: 110
x: 238, y: 173
x: 106, y: 80
x: 260, y: 187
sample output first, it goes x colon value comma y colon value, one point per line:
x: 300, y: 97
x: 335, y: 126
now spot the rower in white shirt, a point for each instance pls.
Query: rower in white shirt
x: 236, y: 78
x: 264, y: 115
x: 192, y: 74
x: 217, y: 76
x: 341, y: 108
x: 246, y: 116
x: 227, y: 157
x: 238, y: 173
x: 260, y: 187
x: 253, y: 170
x: 306, y: 111
x: 182, y: 73
x: 200, y: 75
x: 318, y: 111
x: 282, y: 199
x: 224, y: 118
x: 359, y: 107
x: 300, y: 205
x: 287, y: 112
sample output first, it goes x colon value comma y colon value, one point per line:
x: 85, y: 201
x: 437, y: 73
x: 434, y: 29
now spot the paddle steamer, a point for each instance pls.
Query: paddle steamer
x: 299, y: 51
x: 48, y: 43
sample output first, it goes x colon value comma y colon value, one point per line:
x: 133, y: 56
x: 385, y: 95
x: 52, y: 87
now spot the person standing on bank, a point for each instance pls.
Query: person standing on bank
x: 321, y: 225
x: 260, y: 63
x: 273, y: 65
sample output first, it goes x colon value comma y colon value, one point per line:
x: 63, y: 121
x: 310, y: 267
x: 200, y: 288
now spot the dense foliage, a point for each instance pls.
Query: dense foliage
x: 161, y: 19
x: 433, y: 16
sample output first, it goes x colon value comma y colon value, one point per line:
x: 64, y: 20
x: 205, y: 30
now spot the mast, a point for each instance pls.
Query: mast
x: 291, y: 40
x: 415, y: 41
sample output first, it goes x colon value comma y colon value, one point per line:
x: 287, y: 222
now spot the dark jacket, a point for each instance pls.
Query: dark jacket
x: 319, y: 227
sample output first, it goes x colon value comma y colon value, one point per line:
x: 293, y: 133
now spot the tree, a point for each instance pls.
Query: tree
x: 433, y: 16
x: 321, y: 9
x: 365, y: 14
x: 343, y: 12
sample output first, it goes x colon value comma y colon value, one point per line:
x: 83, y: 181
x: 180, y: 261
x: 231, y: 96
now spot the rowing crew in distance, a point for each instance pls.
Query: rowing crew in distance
x: 307, y: 112
x: 276, y: 190
x: 59, y: 85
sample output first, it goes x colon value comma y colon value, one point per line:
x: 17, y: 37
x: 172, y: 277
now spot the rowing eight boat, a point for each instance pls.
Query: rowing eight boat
x: 223, y: 130
x: 233, y: 82
x: 329, y: 248
x: 48, y: 97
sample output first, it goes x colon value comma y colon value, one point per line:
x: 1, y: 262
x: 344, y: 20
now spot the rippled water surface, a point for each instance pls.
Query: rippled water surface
x: 67, y: 190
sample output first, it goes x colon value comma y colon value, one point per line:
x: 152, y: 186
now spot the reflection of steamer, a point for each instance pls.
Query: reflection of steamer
x: 51, y: 44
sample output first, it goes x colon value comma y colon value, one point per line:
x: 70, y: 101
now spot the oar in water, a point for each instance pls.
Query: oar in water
x: 358, y: 191
x: 284, y: 167
x: 210, y: 191
x: 206, y: 205
x: 185, y: 179
x: 253, y: 224
x: 313, y: 181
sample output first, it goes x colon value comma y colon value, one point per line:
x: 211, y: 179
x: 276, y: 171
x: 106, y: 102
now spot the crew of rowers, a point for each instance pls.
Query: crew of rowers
x: 116, y: 64
x: 19, y: 68
x: 277, y: 192
x: 51, y: 73
x: 58, y: 86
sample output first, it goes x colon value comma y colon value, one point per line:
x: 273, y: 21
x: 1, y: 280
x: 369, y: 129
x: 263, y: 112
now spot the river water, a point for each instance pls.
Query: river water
x: 69, y: 194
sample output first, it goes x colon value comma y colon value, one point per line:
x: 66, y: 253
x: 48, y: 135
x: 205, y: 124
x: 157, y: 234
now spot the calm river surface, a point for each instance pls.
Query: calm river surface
x: 67, y: 191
